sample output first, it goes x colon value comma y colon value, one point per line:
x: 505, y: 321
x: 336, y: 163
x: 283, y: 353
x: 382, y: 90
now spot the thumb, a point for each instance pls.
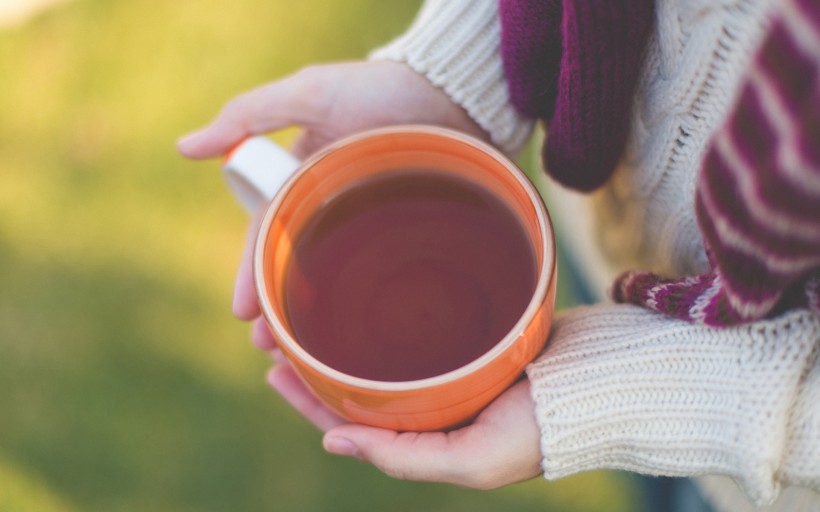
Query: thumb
x: 295, y: 100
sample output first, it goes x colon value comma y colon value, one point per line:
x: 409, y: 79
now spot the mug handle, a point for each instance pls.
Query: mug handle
x: 256, y: 169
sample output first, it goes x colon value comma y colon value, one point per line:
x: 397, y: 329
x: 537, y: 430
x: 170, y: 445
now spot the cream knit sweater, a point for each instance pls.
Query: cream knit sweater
x: 620, y: 386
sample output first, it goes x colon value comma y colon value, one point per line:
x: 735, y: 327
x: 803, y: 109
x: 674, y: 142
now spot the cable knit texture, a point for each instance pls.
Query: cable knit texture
x: 455, y: 44
x: 758, y: 186
x: 758, y: 192
x: 644, y: 217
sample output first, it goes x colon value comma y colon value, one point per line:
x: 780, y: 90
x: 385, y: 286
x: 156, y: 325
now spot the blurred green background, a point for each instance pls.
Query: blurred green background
x: 125, y: 384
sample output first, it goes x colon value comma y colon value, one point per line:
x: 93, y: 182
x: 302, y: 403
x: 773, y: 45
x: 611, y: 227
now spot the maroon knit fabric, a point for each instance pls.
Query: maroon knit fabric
x: 531, y: 46
x: 574, y: 64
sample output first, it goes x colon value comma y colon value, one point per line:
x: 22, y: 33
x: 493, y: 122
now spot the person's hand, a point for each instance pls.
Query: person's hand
x: 500, y: 447
x: 330, y: 101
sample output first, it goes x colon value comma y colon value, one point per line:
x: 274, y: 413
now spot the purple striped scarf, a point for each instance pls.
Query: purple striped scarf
x: 758, y: 190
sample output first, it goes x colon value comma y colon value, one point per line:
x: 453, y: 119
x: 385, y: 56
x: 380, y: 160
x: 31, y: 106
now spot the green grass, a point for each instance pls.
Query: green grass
x: 125, y: 384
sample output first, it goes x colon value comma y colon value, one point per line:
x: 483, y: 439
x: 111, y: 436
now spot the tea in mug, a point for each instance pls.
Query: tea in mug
x: 408, y: 275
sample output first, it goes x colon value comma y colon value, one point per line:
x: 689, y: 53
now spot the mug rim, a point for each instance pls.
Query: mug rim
x: 546, y: 269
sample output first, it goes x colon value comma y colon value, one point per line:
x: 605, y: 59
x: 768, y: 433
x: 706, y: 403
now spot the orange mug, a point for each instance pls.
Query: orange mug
x: 258, y: 171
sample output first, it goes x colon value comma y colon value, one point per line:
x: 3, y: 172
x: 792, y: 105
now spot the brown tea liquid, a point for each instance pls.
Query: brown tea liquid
x: 408, y: 276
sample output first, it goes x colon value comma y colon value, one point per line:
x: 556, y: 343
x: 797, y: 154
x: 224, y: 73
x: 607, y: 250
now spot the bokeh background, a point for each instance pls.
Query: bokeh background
x: 125, y: 384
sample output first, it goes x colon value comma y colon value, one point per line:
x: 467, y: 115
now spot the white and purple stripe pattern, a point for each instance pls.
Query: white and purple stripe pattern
x: 758, y: 194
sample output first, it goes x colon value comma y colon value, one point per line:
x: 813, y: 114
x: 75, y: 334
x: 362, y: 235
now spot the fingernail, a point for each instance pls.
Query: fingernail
x: 342, y: 446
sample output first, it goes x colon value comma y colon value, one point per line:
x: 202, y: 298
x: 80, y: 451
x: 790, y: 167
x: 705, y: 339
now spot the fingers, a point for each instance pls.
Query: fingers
x: 286, y: 382
x: 295, y: 100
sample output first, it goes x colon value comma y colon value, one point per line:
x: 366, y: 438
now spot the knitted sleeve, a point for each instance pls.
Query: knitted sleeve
x: 623, y: 387
x: 456, y: 45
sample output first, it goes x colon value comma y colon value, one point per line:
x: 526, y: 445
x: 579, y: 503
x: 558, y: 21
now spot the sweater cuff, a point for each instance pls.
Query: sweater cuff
x: 622, y: 387
x: 456, y: 45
